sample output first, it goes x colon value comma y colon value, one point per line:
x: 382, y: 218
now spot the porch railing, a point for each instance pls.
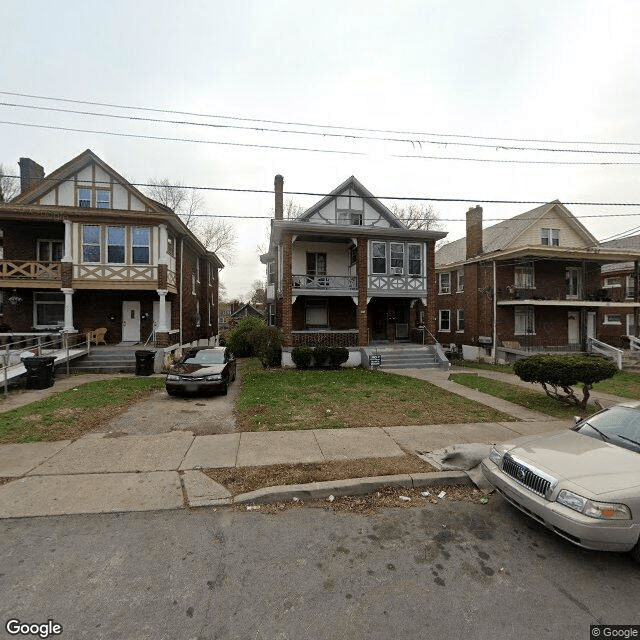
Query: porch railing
x: 634, y: 343
x: 606, y: 350
x: 29, y: 270
x: 560, y: 293
x: 324, y: 283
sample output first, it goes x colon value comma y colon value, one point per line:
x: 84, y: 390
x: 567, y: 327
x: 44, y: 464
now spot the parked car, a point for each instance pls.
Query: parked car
x: 203, y: 370
x: 583, y: 484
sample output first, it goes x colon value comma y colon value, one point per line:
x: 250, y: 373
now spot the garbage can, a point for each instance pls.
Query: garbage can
x: 40, y: 371
x: 144, y: 362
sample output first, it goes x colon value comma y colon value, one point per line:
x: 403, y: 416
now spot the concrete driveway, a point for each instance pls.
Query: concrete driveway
x: 161, y: 413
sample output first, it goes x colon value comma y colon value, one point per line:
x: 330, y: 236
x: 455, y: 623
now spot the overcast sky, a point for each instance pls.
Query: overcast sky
x: 548, y: 70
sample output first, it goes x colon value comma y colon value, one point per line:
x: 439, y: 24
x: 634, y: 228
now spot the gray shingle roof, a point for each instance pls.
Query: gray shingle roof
x: 630, y: 242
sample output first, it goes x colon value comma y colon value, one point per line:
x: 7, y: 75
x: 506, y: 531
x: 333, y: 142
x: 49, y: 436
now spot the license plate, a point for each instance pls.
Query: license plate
x: 191, y: 387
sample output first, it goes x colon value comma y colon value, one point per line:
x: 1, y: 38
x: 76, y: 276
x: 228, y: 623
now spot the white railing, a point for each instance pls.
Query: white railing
x: 348, y: 283
x: 398, y: 283
x: 606, y: 350
x: 634, y: 343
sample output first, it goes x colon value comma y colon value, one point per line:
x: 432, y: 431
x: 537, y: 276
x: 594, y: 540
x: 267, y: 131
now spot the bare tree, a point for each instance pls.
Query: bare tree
x: 9, y: 187
x: 418, y: 216
x: 292, y: 209
x: 258, y: 293
x: 216, y: 235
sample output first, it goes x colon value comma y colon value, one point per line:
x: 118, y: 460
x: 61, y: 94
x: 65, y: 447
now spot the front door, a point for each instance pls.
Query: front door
x: 131, y: 321
x: 591, y: 324
x: 573, y: 327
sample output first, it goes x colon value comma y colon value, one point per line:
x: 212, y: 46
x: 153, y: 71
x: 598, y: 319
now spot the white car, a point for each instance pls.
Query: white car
x: 583, y: 483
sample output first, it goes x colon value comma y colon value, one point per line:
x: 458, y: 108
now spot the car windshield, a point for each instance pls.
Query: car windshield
x: 617, y: 425
x: 205, y: 357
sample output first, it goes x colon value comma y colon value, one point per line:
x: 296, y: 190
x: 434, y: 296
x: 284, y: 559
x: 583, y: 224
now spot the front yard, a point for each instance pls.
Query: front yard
x: 280, y: 400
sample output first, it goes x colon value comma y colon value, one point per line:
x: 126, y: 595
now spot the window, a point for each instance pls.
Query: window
x: 197, y: 270
x: 460, y: 320
x: 444, y: 320
x: 612, y: 282
x: 397, y: 258
x: 523, y: 276
x: 460, y: 280
x: 103, y: 199
x: 193, y: 284
x: 550, y: 237
x: 84, y: 198
x: 631, y: 287
x: 48, y: 309
x: 353, y: 255
x: 171, y: 245
x: 115, y: 245
x: 316, y: 315
x: 415, y: 260
x: 444, y: 283
x: 271, y: 273
x: 613, y: 318
x: 349, y: 209
x: 197, y: 318
x: 140, y: 240
x: 524, y: 321
x: 50, y: 250
x: 316, y: 264
x: 379, y: 257
x: 631, y: 327
x: 90, y: 243
x: 572, y: 281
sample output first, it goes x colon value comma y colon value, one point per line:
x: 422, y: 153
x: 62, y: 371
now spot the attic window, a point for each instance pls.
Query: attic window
x: 349, y: 209
x: 103, y: 199
x: 84, y: 198
x: 550, y: 237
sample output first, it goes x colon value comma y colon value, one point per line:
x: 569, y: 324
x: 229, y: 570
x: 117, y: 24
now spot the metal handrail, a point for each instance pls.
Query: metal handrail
x: 606, y: 350
x: 634, y: 343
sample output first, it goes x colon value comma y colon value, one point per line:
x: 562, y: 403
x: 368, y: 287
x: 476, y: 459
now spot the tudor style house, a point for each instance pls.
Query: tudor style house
x: 347, y: 272
x: 529, y: 283
x: 82, y: 249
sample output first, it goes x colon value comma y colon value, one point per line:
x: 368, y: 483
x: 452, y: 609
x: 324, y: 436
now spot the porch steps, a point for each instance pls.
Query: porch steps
x: 109, y: 359
x: 407, y: 356
x: 631, y: 361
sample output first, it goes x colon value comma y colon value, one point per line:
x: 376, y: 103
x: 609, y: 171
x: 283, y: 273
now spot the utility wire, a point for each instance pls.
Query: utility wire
x: 351, y: 136
x: 314, y: 125
x: 310, y: 149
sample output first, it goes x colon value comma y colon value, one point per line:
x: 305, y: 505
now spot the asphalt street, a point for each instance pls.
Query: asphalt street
x: 452, y: 570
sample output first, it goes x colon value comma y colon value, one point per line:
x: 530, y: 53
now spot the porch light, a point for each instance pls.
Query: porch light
x: 15, y: 299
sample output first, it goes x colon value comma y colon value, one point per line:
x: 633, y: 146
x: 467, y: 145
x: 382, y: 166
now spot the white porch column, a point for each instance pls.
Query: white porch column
x: 68, y: 311
x: 162, y: 312
x: 162, y: 244
x: 68, y: 241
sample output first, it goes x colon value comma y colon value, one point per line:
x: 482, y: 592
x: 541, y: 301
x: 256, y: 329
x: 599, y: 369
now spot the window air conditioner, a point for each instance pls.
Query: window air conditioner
x: 397, y: 271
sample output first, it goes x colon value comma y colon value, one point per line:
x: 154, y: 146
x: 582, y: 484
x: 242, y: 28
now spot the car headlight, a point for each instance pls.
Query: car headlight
x: 212, y: 378
x: 496, y: 457
x: 600, y: 510
x: 172, y: 377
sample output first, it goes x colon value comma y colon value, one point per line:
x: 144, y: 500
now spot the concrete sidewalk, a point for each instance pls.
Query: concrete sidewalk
x: 100, y: 474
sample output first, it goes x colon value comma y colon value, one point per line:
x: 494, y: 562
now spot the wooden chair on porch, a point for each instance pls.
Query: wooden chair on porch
x: 97, y: 336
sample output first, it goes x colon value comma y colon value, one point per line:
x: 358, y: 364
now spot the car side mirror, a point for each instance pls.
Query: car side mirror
x: 576, y: 419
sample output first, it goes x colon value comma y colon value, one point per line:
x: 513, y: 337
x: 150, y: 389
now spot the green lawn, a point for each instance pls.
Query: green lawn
x: 276, y: 399
x: 622, y: 384
x: 534, y: 400
x: 69, y: 414
x: 470, y: 364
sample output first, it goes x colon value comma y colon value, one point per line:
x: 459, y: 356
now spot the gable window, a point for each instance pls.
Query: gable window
x: 84, y: 198
x: 460, y: 320
x: 349, y: 209
x: 444, y: 320
x: 523, y: 276
x: 415, y: 260
x: 48, y: 309
x: 379, y: 261
x: 103, y: 199
x: 115, y: 245
x: 550, y: 237
x: 397, y: 258
x: 460, y: 280
x: 524, y: 321
x: 444, y: 283
x: 140, y: 241
x: 316, y: 315
x: 631, y: 287
x: 90, y: 243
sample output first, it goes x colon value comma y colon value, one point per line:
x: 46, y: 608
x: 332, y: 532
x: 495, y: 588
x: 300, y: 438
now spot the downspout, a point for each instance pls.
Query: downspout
x: 181, y: 276
x: 495, y: 309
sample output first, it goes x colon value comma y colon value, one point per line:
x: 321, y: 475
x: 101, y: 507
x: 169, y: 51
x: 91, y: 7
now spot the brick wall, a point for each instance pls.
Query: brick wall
x: 325, y: 339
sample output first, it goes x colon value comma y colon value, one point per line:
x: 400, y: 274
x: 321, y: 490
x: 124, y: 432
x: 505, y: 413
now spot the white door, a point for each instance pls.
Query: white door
x: 131, y: 321
x: 573, y: 327
x: 591, y: 324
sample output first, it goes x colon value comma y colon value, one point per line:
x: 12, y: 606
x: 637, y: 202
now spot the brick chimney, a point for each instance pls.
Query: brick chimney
x: 474, y: 232
x: 278, y: 184
x: 31, y: 173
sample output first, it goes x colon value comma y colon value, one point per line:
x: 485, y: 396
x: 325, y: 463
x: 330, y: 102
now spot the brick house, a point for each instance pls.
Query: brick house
x: 347, y: 272
x: 83, y: 248
x: 530, y: 283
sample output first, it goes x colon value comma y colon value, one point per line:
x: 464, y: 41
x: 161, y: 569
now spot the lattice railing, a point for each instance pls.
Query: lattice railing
x: 20, y: 269
x: 324, y: 283
x: 132, y: 273
x: 398, y: 283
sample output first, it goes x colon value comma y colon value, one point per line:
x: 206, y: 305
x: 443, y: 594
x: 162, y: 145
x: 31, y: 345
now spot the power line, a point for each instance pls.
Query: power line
x: 311, y: 149
x: 351, y: 136
x: 316, y: 125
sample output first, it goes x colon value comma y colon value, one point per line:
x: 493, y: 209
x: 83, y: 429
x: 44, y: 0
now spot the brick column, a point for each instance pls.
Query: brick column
x: 363, y: 315
x: 432, y: 311
x: 287, y: 288
x: 163, y: 273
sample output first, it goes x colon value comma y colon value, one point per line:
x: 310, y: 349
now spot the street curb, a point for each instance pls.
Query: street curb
x: 356, y: 486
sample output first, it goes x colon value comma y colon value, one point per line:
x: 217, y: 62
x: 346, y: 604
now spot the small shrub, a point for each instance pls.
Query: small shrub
x: 267, y: 345
x: 322, y: 356
x: 238, y: 338
x: 302, y: 356
x: 338, y: 356
x: 558, y: 374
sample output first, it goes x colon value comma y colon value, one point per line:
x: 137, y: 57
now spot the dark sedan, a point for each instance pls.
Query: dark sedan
x: 204, y: 370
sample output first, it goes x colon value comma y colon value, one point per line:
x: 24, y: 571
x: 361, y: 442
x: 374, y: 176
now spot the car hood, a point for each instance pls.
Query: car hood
x: 197, y: 369
x: 597, y: 466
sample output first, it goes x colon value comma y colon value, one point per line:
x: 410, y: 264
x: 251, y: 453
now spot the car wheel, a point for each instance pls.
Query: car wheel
x: 233, y: 377
x: 224, y: 389
x: 171, y: 393
x: 635, y: 552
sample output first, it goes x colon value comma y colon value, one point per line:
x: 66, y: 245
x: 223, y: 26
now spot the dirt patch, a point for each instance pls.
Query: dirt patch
x: 243, y: 479
x: 5, y: 480
x: 384, y: 498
